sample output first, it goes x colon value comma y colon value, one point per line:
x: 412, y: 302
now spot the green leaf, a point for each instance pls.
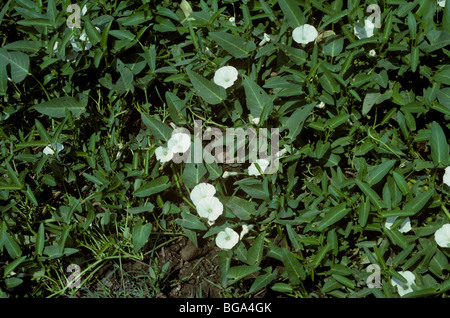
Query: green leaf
x: 11, y: 246
x: 190, y: 221
x: 91, y: 31
x: 177, y: 108
x: 401, y: 182
x: 291, y: 10
x: 364, y: 211
x: 443, y: 76
x: 193, y: 173
x: 257, y: 100
x: 414, y: 58
x: 262, y: 281
x: 333, y: 45
x: 443, y: 96
x: 294, y: 268
x: 371, y: 194
x: 19, y: 63
x: 296, y: 121
x: 237, y: 46
x: 11, y: 266
x: 255, y: 252
x: 438, y: 145
x: 140, y: 235
x: 155, y: 186
x: 4, y: 10
x: 159, y: 130
x: 207, y: 90
x: 446, y: 18
x: 243, y: 209
x: 333, y: 215
x: 236, y: 273
x: 57, y: 107
x: 415, y: 205
x: 377, y: 173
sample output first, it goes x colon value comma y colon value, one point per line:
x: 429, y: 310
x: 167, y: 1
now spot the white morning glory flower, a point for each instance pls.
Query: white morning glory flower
x: 245, y: 229
x: 263, y: 164
x: 201, y: 191
x: 227, y: 238
x: 210, y: 208
x: 372, y: 53
x: 163, y: 154
x: 305, y: 34
x: 442, y: 236
x: 366, y: 31
x: 179, y: 142
x: 403, y: 288
x: 266, y: 38
x: 404, y: 227
x: 446, y: 177
x: 50, y: 149
x: 225, y: 76
x: 441, y: 3
x: 320, y: 105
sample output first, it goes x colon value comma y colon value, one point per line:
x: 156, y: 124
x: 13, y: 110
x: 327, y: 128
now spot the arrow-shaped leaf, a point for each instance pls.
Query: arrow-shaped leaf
x: 438, y: 145
x: 56, y: 107
x: 210, y: 92
x: 155, y: 186
x: 333, y: 215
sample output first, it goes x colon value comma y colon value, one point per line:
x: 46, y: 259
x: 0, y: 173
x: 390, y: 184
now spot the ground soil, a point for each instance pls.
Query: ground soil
x: 192, y: 272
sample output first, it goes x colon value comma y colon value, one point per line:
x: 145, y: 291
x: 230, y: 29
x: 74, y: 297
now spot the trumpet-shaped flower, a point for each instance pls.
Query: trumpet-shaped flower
x: 227, y: 239
x: 179, y: 142
x: 403, y: 288
x: 245, y: 229
x: 263, y: 164
x: 305, y: 34
x: 163, y: 154
x: 446, y: 177
x: 441, y: 3
x: 225, y: 76
x: 201, y: 191
x: 54, y: 146
x: 442, y: 236
x: 366, y: 31
x: 404, y: 227
x: 210, y: 208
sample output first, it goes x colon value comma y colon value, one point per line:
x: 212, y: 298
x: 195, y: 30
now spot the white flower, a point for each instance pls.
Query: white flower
x: 163, y: 154
x: 227, y: 174
x: 366, y: 31
x: 441, y: 3
x: 210, y: 208
x: 265, y: 39
x: 442, y: 236
x: 227, y: 238
x: 446, y: 177
x: 232, y: 21
x: 255, y: 120
x: 403, y: 288
x: 179, y: 142
x: 305, y: 34
x: 245, y: 229
x: 225, y: 76
x: 372, y: 53
x: 320, y: 105
x: 263, y: 164
x: 50, y: 149
x: 405, y: 226
x: 201, y: 191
